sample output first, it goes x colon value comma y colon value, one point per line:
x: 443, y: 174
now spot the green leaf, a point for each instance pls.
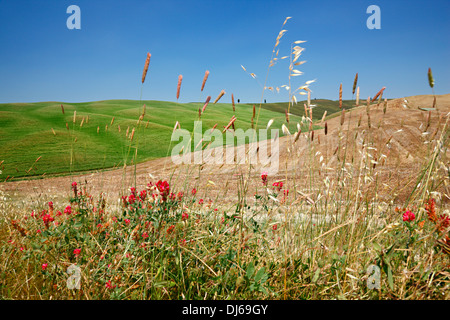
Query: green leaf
x: 260, y: 274
x: 390, y: 278
x: 376, y: 246
x: 316, y: 276
x: 250, y: 270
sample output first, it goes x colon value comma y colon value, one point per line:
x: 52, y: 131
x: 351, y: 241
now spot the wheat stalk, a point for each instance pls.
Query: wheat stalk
x: 340, y: 96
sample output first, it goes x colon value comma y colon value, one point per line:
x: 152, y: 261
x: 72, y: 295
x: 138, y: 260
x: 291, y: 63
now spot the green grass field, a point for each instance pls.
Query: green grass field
x: 26, y: 132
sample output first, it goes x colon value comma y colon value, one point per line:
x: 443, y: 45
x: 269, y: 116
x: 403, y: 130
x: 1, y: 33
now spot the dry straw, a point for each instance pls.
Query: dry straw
x: 340, y: 96
x: 342, y: 116
x: 232, y: 120
x: 204, y: 79
x: 147, y: 62
x: 62, y: 109
x: 323, y: 117
x: 180, y: 78
x: 357, y: 96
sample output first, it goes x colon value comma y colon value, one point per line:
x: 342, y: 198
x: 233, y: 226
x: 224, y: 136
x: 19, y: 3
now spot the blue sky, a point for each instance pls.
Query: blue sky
x: 42, y: 60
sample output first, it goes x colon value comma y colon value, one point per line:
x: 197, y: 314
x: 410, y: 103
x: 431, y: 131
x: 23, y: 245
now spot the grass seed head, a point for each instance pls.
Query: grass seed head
x: 204, y: 79
x: 147, y: 62
x: 430, y: 78
x: 219, y: 96
x: 354, y: 83
x: 180, y: 78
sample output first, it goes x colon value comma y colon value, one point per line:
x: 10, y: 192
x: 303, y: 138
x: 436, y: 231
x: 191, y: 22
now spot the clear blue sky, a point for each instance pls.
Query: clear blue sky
x: 42, y: 60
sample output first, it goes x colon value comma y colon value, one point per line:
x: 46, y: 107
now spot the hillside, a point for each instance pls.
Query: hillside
x: 401, y: 135
x: 75, y: 137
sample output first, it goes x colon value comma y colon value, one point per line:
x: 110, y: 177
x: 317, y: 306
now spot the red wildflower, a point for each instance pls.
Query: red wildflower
x: 164, y: 189
x: 194, y: 191
x: 184, y: 216
x: 170, y: 229
x: 68, y: 210
x: 408, y: 216
x: 143, y: 195
x: 127, y: 221
x: 430, y: 207
x: 47, y: 218
x: 145, y: 235
x: 74, y: 188
x: 200, y: 201
x: 76, y: 252
x: 274, y: 227
x: 131, y: 199
x: 109, y: 285
x: 264, y: 178
x: 278, y: 185
x: 44, y: 266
